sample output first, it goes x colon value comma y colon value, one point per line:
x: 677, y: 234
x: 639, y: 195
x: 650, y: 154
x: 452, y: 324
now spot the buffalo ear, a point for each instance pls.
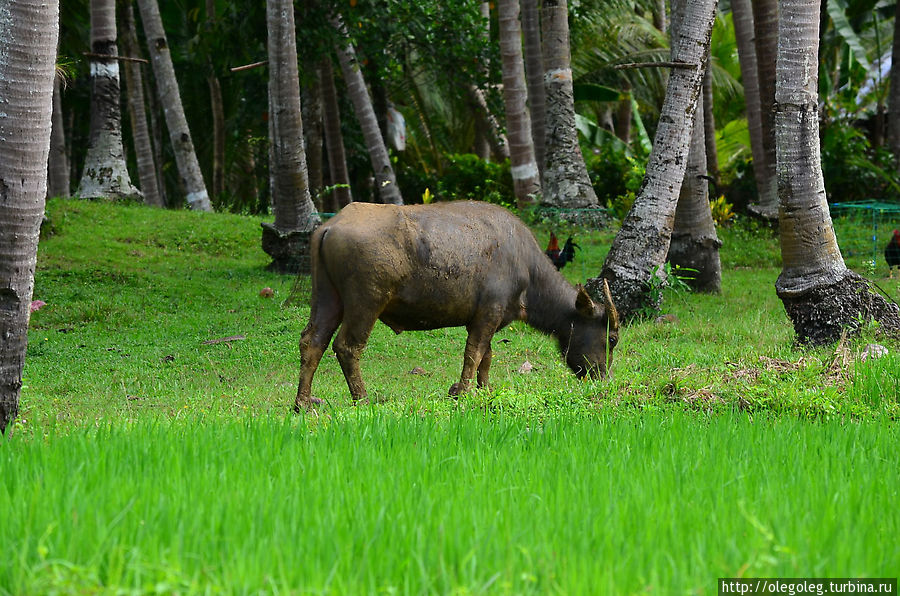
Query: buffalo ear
x: 584, y: 305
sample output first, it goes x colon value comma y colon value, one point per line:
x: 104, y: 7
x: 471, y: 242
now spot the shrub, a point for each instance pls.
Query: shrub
x: 466, y: 176
x: 616, y: 177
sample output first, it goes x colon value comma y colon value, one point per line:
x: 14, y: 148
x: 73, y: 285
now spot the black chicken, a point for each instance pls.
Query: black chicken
x: 892, y: 253
x: 561, y: 257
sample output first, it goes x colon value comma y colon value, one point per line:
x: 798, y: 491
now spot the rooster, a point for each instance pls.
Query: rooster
x: 892, y: 253
x: 561, y: 257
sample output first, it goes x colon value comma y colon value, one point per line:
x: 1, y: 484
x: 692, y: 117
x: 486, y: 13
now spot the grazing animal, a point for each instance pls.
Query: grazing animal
x: 451, y: 264
x: 892, y: 253
x: 561, y: 257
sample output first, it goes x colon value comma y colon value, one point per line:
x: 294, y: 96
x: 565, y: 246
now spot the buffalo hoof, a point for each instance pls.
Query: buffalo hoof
x: 455, y: 390
x: 307, y: 404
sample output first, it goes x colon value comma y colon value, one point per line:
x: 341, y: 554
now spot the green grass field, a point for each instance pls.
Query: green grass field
x: 145, y: 460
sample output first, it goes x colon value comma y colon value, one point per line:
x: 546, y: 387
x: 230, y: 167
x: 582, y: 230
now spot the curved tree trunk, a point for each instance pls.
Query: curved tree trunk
x: 105, y: 174
x: 28, y: 36
x: 641, y: 246
x: 287, y: 239
x: 137, y: 111
x: 534, y: 71
x: 821, y: 296
x: 170, y: 98
x: 58, y: 180
x: 695, y: 244
x: 525, y: 173
x: 334, y: 141
x: 742, y: 16
x: 385, y: 180
x: 565, y: 181
x: 765, y: 28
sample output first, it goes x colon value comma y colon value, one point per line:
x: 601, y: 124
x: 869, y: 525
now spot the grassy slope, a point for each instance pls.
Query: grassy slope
x: 146, y: 460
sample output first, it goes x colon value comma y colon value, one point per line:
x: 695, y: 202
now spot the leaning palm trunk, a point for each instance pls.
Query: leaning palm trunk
x: 385, y: 180
x: 334, y: 141
x: 534, y: 71
x: 287, y: 239
x: 28, y: 35
x: 565, y: 179
x: 639, y: 249
x: 742, y: 15
x: 765, y: 27
x: 170, y: 98
x: 525, y: 173
x: 821, y: 296
x: 695, y: 245
x: 105, y: 174
x: 58, y: 165
x: 140, y: 132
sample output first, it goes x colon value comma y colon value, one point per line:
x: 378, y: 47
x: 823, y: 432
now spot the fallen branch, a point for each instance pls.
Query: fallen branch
x: 249, y: 66
x: 111, y: 57
x: 230, y: 338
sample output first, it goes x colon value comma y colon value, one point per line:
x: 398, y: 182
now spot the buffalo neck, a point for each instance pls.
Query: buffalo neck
x: 550, y: 301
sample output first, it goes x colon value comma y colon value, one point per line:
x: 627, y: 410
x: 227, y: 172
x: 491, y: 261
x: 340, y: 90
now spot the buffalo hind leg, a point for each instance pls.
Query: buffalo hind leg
x: 313, y: 342
x: 348, y: 345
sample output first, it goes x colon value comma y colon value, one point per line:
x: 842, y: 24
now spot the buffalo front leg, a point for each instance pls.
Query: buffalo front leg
x: 484, y: 369
x: 477, y: 357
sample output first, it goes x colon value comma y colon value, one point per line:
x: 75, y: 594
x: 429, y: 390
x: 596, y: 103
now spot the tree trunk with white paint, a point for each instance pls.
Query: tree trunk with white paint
x: 170, y: 98
x: 385, y: 180
x: 821, y: 296
x: 565, y: 181
x: 287, y: 239
x: 105, y: 173
x: 525, y: 173
x: 640, y: 248
x: 140, y: 132
x: 28, y: 35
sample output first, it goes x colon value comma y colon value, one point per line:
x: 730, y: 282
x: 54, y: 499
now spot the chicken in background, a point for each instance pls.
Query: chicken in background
x: 561, y: 257
x: 892, y: 253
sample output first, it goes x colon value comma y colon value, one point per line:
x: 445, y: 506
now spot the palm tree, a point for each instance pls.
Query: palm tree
x: 534, y: 71
x: 170, y: 98
x: 28, y: 35
x: 58, y: 165
x: 893, y: 127
x: 217, y: 110
x: 140, y: 132
x: 641, y: 245
x: 105, y: 174
x: 287, y: 239
x: 385, y: 180
x: 765, y: 28
x: 565, y: 179
x: 821, y: 296
x: 695, y: 245
x: 334, y: 142
x: 525, y: 173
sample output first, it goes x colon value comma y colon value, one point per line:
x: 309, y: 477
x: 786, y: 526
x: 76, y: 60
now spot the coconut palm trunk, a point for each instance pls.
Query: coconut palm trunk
x: 170, y: 98
x: 385, y: 180
x: 565, y: 179
x: 709, y: 126
x: 28, y: 34
x: 821, y: 296
x: 105, y: 174
x: 137, y: 110
x: 287, y: 239
x: 334, y: 141
x: 534, y: 71
x: 695, y: 245
x: 765, y: 28
x: 58, y: 179
x: 525, y: 172
x: 641, y: 245
x: 893, y: 124
x: 217, y: 111
x: 311, y: 101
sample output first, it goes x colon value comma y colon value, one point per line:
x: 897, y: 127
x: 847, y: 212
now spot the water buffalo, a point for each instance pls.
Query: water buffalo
x: 450, y: 264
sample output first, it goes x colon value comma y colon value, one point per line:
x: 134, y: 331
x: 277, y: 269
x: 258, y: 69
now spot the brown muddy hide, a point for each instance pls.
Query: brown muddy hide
x: 594, y: 332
